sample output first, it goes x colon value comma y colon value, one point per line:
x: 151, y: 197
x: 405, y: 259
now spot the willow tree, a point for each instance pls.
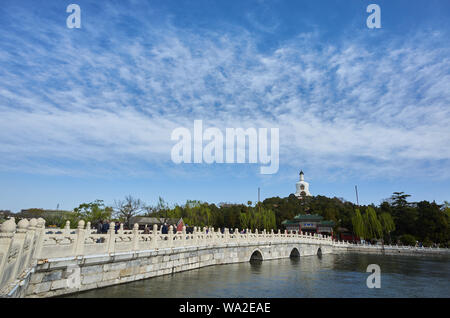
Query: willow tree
x: 244, y: 220
x: 358, y: 224
x: 268, y: 219
x: 387, y: 224
x: 372, y: 225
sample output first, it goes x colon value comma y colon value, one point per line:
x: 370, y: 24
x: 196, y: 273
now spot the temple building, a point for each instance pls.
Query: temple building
x: 312, y: 223
x: 302, y: 187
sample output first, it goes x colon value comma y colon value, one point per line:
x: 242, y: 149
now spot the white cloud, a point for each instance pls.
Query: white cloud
x: 336, y: 105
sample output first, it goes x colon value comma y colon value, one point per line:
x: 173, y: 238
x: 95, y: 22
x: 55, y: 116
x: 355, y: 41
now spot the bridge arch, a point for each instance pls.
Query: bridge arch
x: 256, y: 256
x: 319, y: 251
x: 294, y: 253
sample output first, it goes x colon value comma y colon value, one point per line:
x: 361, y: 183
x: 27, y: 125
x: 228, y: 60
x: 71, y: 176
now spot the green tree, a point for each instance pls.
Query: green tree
x: 93, y: 212
x: 372, y: 224
x: 408, y: 239
x: 404, y: 214
x: 244, y: 220
x: 358, y: 224
x: 387, y: 224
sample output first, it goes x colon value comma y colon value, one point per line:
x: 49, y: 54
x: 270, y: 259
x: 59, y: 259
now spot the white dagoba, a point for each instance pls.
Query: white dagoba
x: 302, y: 187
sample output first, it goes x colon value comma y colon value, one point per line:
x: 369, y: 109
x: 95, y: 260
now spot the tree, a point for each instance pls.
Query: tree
x: 398, y: 199
x: 126, y: 209
x: 433, y: 224
x: 373, y: 226
x: 358, y: 224
x: 244, y: 220
x: 93, y: 212
x: 408, y: 239
x: 446, y: 208
x: 387, y: 224
x: 404, y: 214
x: 161, y: 210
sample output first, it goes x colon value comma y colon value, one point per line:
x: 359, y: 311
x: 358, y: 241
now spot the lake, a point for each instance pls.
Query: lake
x: 340, y: 275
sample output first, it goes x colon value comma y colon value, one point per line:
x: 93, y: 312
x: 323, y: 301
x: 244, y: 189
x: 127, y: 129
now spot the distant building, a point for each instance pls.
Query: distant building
x: 346, y: 235
x: 312, y: 223
x: 42, y: 213
x: 302, y: 187
x: 145, y: 221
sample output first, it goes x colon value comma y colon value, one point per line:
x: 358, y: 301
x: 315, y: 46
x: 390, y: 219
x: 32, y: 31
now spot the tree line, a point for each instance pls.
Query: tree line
x: 394, y: 220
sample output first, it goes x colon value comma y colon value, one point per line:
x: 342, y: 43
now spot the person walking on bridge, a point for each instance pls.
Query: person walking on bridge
x: 99, y: 227
x: 105, y: 227
x: 164, y: 229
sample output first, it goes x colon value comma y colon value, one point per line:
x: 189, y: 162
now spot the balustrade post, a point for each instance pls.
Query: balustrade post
x: 213, y: 236
x: 88, y: 228
x: 111, y: 238
x: 135, y: 236
x: 226, y: 233
x: 183, y: 236
x: 170, y: 236
x: 7, y: 230
x: 66, y: 229
x: 79, y: 240
x: 204, y: 241
x: 18, y: 249
x: 32, y: 232
x: 40, y: 238
x: 155, y: 236
x: 194, y: 235
x: 120, y: 231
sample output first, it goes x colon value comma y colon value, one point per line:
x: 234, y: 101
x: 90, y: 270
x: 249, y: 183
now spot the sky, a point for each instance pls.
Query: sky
x: 87, y: 113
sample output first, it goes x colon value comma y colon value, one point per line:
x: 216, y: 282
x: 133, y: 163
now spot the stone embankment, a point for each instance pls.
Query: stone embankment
x: 391, y: 250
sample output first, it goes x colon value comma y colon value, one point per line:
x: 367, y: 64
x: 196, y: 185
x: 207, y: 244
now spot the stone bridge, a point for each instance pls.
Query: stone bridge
x: 40, y: 262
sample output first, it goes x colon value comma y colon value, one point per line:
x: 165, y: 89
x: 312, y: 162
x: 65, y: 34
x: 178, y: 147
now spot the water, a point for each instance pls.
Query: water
x: 327, y: 276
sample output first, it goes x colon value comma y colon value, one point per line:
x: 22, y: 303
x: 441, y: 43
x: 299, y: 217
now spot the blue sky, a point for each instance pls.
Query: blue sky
x: 87, y: 113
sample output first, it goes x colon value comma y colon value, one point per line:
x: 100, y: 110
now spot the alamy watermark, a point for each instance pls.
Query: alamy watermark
x: 73, y: 276
x: 230, y: 150
x: 374, y: 20
x: 374, y: 279
x: 74, y: 19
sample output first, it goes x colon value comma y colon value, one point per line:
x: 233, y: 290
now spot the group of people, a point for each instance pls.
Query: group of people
x: 103, y: 227
x: 164, y: 229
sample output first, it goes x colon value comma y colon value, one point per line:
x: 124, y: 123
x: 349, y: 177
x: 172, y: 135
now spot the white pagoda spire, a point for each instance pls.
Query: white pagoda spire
x: 302, y: 187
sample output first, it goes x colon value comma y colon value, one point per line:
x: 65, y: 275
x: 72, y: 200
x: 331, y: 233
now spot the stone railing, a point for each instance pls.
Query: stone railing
x: 28, y: 246
x: 19, y: 248
x: 23, y: 245
x: 390, y: 249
